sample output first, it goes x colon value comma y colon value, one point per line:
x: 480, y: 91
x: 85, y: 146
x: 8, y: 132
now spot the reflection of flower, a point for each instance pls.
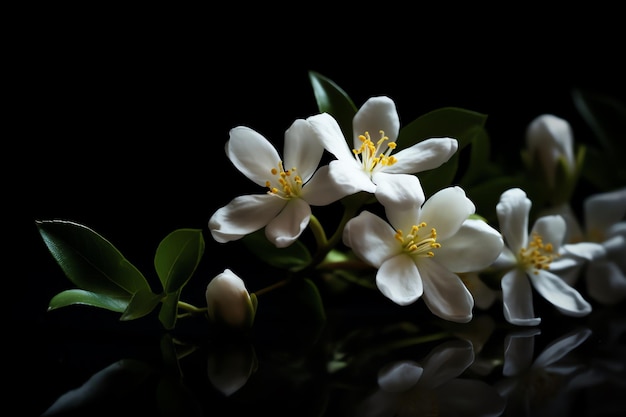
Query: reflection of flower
x: 229, y: 366
x: 532, y: 385
x: 424, y: 249
x: 528, y: 258
x: 285, y: 209
x: 369, y: 166
x: 433, y: 387
x: 603, y: 246
x: 228, y: 300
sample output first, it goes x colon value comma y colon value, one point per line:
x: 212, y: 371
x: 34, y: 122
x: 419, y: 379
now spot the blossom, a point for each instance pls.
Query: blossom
x: 228, y: 300
x: 409, y: 388
x: 370, y: 165
x: 528, y: 258
x: 293, y: 185
x: 421, y: 250
x: 603, y: 246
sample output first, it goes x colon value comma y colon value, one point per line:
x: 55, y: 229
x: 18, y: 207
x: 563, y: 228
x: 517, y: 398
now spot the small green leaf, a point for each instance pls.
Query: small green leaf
x: 169, y: 310
x: 177, y: 258
x: 333, y: 100
x: 141, y: 304
x: 90, y: 261
x: 292, y: 257
x: 76, y: 296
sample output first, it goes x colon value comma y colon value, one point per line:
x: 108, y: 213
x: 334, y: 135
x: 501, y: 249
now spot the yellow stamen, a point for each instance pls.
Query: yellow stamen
x: 285, y: 184
x: 416, y: 246
x: 372, y: 157
x: 537, y: 255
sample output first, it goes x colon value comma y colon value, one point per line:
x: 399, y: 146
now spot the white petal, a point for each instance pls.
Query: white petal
x: 474, y: 247
x: 398, y: 189
x: 604, y: 210
x: 519, y: 351
x: 556, y: 291
x: 321, y: 190
x: 302, y: 149
x: 506, y: 260
x: 425, y: 155
x: 349, y: 177
x: 517, y: 298
x: 551, y: 137
x: 227, y: 298
x: 399, y: 280
x: 330, y: 135
x: 560, y: 347
x: 244, y: 215
x: 513, y: 210
x: 252, y: 154
x: 585, y: 250
x: 400, y: 376
x: 446, y: 210
x: 444, y: 293
x: 551, y: 229
x: 376, y: 114
x: 371, y: 238
x: 606, y: 283
x: 445, y: 362
x: 285, y: 228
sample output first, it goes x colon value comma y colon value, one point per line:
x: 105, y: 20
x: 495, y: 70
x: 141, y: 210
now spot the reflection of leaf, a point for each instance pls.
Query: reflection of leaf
x: 89, y: 260
x: 333, y: 100
x: 110, y: 386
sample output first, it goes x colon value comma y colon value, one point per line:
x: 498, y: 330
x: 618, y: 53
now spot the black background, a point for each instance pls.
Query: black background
x: 120, y: 119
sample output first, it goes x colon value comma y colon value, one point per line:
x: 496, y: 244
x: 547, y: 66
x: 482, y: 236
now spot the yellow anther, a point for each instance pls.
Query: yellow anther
x: 537, y: 255
x: 372, y: 158
x: 284, y: 184
x: 416, y: 246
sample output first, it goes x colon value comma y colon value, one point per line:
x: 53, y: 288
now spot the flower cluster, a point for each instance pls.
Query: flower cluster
x: 427, y: 217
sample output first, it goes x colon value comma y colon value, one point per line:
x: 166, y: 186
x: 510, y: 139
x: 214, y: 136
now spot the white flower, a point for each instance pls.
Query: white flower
x: 550, y: 139
x: 528, y: 258
x: 433, y: 387
x: 604, y: 246
x: 370, y: 165
x: 423, y: 251
x: 284, y: 210
x: 228, y: 300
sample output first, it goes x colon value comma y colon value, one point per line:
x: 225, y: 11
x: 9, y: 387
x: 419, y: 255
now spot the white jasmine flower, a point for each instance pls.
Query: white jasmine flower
x: 370, y: 166
x: 421, y: 250
x: 550, y: 139
x: 293, y: 185
x: 603, y: 246
x: 228, y: 300
x: 528, y: 258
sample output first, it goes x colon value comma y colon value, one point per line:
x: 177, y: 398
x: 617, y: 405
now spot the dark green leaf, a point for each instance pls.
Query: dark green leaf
x: 292, y: 257
x: 89, y: 260
x: 177, y: 257
x: 306, y: 295
x: 76, y: 296
x: 333, y: 100
x: 169, y: 310
x: 141, y: 304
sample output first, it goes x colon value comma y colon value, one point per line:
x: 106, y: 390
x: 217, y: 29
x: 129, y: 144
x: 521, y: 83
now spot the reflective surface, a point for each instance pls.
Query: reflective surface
x: 378, y: 362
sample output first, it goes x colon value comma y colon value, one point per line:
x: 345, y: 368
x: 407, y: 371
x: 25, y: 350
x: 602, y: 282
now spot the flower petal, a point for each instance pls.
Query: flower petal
x: 244, y: 215
x: 551, y: 229
x: 444, y: 292
x: 474, y: 247
x: 289, y: 224
x: 399, y: 280
x: 512, y: 211
x: 330, y: 135
x: 423, y: 156
x: 506, y: 260
x: 302, y: 149
x: 560, y: 347
x: 606, y: 282
x: 557, y: 292
x: 251, y: 154
x: 376, y: 114
x: 349, y: 177
x: 517, y: 299
x: 446, y: 210
x: 371, y: 238
x: 321, y: 190
x: 400, y: 376
x: 602, y: 211
x: 398, y: 189
x: 445, y: 362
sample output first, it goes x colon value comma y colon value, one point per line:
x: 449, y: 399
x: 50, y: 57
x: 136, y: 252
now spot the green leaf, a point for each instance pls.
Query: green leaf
x: 141, y: 304
x: 177, y: 258
x: 89, y: 260
x: 309, y: 301
x: 169, y: 310
x: 333, y: 100
x: 292, y: 257
x: 76, y: 296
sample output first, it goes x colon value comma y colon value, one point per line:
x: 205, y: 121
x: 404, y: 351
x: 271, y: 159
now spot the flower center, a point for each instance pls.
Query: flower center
x: 284, y: 184
x: 372, y: 157
x: 415, y: 245
x: 537, y: 255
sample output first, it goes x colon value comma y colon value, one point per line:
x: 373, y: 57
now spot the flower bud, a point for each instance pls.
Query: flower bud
x: 230, y: 365
x: 550, y: 139
x: 229, y: 302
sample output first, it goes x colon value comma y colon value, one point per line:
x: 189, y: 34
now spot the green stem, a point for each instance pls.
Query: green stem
x: 191, y: 308
x: 271, y: 287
